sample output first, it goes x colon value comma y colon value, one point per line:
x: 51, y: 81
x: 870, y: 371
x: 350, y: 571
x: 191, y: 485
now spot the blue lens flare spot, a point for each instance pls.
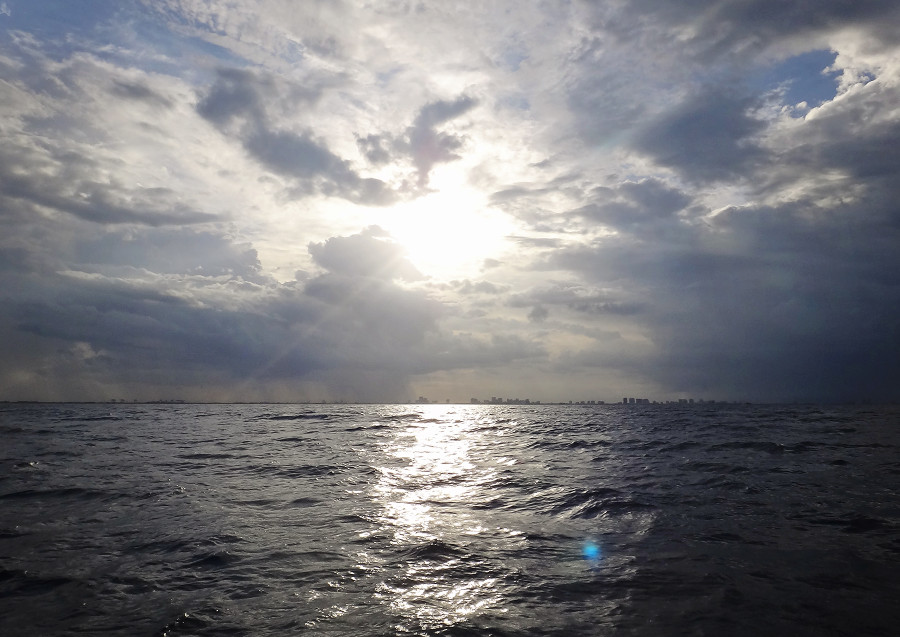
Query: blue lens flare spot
x: 591, y: 551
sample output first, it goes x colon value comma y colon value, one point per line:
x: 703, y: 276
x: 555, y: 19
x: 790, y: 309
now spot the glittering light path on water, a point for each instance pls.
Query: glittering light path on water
x: 436, y: 470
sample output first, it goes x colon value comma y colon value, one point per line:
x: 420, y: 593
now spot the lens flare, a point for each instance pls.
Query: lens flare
x: 591, y: 552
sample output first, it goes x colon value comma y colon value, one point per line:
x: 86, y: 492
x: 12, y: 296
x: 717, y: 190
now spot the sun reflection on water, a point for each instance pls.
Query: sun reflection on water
x: 437, y: 468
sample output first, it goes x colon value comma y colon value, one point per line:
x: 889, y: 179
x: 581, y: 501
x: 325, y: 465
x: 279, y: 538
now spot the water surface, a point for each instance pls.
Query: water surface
x: 449, y: 520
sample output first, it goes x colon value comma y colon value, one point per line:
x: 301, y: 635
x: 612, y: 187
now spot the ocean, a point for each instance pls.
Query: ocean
x: 707, y: 519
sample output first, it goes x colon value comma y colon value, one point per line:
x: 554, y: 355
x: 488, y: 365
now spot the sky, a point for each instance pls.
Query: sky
x: 228, y: 200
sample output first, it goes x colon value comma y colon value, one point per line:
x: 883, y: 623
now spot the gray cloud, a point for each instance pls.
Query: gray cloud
x: 226, y: 324
x: 59, y: 156
x: 538, y: 314
x: 671, y: 217
x: 708, y: 137
x: 737, y: 26
x: 478, y: 287
x: 139, y: 92
x: 423, y: 143
x: 370, y: 254
x: 735, y: 31
x: 70, y: 182
x: 767, y: 303
x: 645, y: 206
x: 169, y: 251
x: 236, y: 94
x: 574, y: 297
x: 237, y: 103
x: 429, y: 146
x: 375, y: 149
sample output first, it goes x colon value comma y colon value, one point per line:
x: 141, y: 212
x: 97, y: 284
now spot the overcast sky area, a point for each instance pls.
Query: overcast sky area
x: 231, y: 200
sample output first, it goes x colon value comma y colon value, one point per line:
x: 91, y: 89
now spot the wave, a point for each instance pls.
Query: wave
x: 371, y: 520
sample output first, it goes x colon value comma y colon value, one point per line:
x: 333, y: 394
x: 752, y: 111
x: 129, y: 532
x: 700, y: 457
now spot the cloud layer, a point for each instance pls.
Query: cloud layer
x: 374, y: 201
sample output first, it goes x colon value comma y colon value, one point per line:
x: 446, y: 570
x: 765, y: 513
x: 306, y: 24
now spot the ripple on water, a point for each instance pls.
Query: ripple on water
x: 448, y: 520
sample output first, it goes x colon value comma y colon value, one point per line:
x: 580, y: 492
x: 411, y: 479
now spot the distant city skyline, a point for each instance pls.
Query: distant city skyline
x: 258, y: 200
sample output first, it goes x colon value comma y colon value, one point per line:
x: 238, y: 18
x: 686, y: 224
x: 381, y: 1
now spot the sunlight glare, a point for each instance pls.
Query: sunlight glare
x: 448, y: 232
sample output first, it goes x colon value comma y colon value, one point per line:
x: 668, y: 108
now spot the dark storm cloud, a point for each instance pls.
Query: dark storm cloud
x: 158, y: 337
x: 708, y: 137
x: 792, y: 324
x: 148, y: 335
x: 295, y: 155
x: 795, y: 300
x: 237, y: 103
x: 771, y: 301
x: 791, y: 295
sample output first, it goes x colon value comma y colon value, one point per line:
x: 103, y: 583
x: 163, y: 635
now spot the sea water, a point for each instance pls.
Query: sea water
x: 449, y: 520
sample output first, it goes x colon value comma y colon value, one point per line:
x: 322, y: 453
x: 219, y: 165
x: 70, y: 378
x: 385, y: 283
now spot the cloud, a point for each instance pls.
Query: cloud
x: 645, y: 206
x: 478, y: 287
x: 767, y: 303
x: 710, y: 136
x: 375, y: 149
x: 33, y: 177
x: 370, y: 253
x: 428, y: 145
x: 79, y: 142
x: 237, y: 103
x: 236, y: 94
x: 732, y: 28
x: 225, y: 332
x: 139, y: 92
x: 169, y: 251
x: 538, y: 314
x: 224, y: 324
x: 575, y: 297
x: 653, y: 205
x: 422, y: 143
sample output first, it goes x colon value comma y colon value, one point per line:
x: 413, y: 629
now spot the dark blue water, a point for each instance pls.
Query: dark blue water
x: 449, y: 520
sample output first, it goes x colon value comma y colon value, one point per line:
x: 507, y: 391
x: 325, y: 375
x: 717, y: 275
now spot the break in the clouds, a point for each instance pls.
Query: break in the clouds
x: 376, y: 201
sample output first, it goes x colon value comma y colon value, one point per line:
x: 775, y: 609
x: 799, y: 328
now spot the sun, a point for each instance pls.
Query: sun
x: 449, y: 232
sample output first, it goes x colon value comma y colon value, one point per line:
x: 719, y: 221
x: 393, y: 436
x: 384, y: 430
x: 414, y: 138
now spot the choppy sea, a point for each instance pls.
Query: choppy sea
x: 449, y: 520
